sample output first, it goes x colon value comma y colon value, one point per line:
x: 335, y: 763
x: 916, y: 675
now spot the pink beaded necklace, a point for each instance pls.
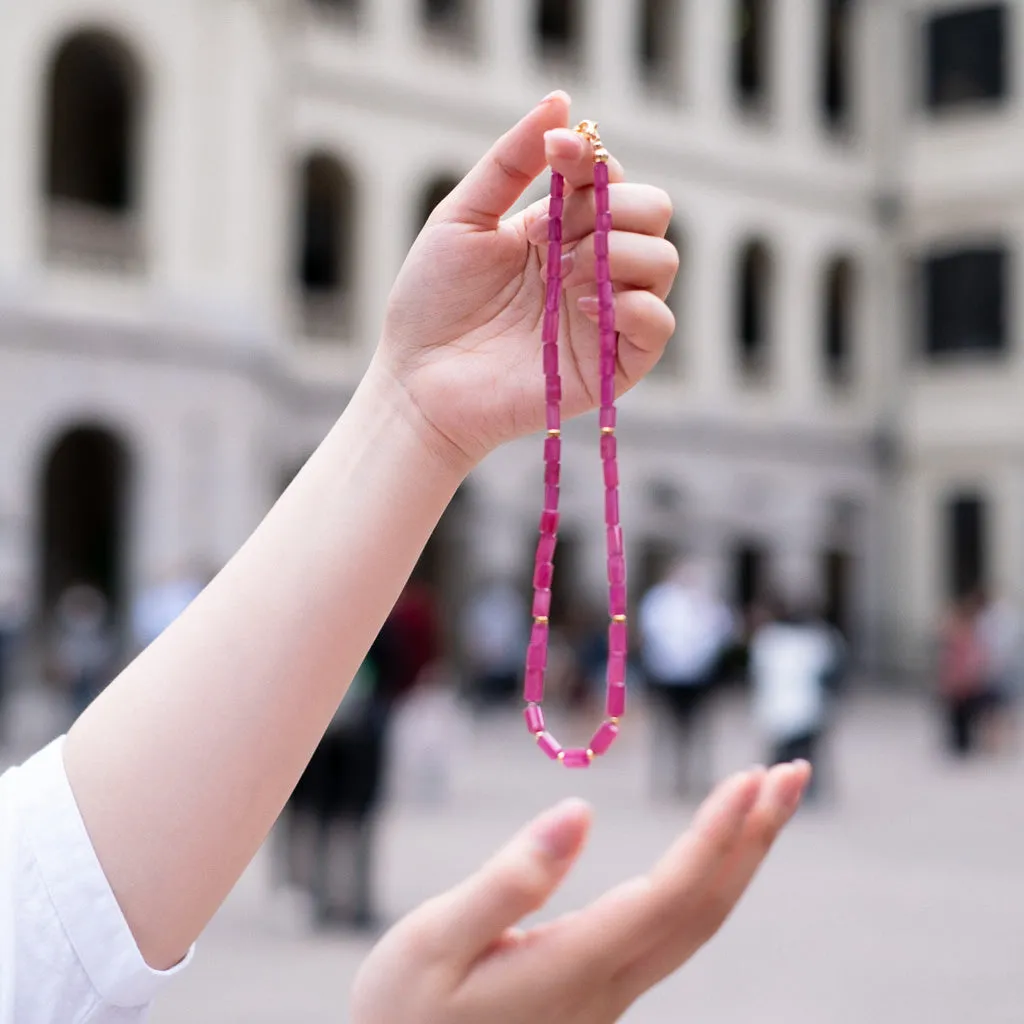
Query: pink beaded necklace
x: 544, y: 568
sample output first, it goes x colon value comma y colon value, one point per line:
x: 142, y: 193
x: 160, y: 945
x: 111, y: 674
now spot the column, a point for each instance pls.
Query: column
x: 611, y: 56
x: 394, y: 23
x: 794, y: 67
x: 507, y: 37
x: 707, y: 57
x: 795, y: 307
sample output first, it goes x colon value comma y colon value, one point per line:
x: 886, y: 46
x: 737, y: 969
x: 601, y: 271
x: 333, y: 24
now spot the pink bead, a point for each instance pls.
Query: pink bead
x: 549, y: 333
x: 602, y: 199
x: 543, y: 576
x: 552, y: 449
x: 606, y: 419
x: 550, y: 360
x: 553, y: 389
x: 554, y: 297
x: 605, y: 293
x: 600, y: 245
x: 537, y: 657
x: 609, y: 364
x: 603, y: 222
x: 603, y: 738
x: 534, y: 718
x: 603, y: 275
x: 576, y: 759
x: 546, y: 547
x: 617, y: 569
x: 601, y: 175
x: 617, y: 599
x: 552, y: 472
x: 553, y: 416
x: 557, y: 185
x: 607, y: 390
x: 616, y: 702
x: 551, y: 498
x: 549, y: 522
x: 553, y: 269
x: 611, y: 473
x: 549, y: 745
x: 606, y: 324
x: 618, y: 640
x: 542, y: 604
x: 533, y: 689
x: 556, y: 204
x: 616, y: 672
x: 554, y: 230
x: 609, y: 447
x: 611, y: 508
x: 539, y: 635
x: 614, y: 536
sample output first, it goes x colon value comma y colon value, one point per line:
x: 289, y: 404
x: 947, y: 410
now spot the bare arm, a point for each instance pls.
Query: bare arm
x: 183, y: 764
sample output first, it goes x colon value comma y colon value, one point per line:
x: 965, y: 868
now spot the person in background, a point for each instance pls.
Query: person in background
x: 999, y: 631
x: 497, y: 632
x: 160, y: 604
x: 83, y: 645
x: 685, y: 630
x: 794, y: 656
x: 963, y: 674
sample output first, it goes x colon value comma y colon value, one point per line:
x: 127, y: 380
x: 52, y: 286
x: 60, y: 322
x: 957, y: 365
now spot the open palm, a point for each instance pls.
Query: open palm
x: 469, y: 354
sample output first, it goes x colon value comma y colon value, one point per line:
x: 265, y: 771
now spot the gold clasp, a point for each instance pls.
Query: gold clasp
x: 588, y: 129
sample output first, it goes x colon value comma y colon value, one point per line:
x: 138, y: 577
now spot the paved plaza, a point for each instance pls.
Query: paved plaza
x: 902, y: 902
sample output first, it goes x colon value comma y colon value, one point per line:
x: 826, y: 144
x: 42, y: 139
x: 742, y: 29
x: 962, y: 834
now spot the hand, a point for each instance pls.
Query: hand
x: 462, y: 333
x: 459, y: 959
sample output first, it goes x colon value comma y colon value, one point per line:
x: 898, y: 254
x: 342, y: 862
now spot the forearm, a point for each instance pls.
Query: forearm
x: 183, y: 764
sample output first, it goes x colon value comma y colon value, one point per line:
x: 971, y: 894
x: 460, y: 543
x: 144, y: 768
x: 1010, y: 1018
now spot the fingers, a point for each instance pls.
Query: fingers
x: 517, y: 881
x: 485, y: 195
x: 573, y: 157
x: 635, y: 261
x: 644, y: 321
x: 645, y: 209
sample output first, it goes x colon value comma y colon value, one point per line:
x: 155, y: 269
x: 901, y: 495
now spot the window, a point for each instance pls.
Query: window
x: 966, y: 57
x: 837, y: 64
x: 657, y: 43
x: 965, y: 301
x: 432, y: 196
x: 966, y: 543
x: 839, y: 321
x: 91, y: 131
x: 448, y: 19
x: 325, y: 263
x: 558, y: 30
x: 751, y: 57
x: 753, y: 308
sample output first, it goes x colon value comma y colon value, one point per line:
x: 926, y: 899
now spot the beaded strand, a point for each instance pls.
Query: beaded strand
x: 543, y: 573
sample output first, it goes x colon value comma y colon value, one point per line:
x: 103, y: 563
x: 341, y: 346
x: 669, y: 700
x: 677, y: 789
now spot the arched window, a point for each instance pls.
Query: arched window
x: 837, y: 64
x: 753, y: 308
x: 559, y: 30
x: 658, y: 44
x: 325, y: 258
x: 672, y: 361
x: 966, y: 543
x: 839, y: 321
x: 433, y: 194
x: 752, y: 60
x: 91, y: 143
x: 451, y: 21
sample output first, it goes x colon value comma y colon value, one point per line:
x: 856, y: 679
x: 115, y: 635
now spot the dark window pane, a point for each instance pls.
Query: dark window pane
x: 966, y: 52
x: 753, y: 308
x: 558, y: 27
x: 837, y: 62
x: 656, y: 41
x: 967, y: 544
x: 326, y: 226
x: 965, y: 301
x: 839, y: 287
x: 751, y: 55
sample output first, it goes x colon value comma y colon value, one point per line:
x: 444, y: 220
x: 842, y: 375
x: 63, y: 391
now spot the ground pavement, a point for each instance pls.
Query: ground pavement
x: 903, y: 902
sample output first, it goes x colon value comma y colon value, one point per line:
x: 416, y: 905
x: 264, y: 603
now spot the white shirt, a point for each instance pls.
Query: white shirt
x: 66, y: 954
x: 684, y: 631
x: 788, y: 665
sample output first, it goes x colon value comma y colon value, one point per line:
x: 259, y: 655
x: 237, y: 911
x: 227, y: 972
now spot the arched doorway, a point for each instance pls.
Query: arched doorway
x: 84, y: 518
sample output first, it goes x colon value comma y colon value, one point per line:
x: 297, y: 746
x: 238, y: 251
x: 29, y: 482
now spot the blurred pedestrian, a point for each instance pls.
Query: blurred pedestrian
x: 685, y: 631
x: 999, y: 630
x: 496, y: 634
x: 963, y: 675
x: 795, y: 661
x: 83, y: 644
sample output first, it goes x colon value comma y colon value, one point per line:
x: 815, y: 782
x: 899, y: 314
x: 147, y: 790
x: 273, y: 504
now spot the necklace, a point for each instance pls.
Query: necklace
x: 544, y: 568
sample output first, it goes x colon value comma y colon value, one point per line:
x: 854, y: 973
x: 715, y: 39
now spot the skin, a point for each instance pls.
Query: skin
x: 182, y: 765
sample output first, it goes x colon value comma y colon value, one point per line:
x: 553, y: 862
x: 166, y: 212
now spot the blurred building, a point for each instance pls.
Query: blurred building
x: 204, y: 203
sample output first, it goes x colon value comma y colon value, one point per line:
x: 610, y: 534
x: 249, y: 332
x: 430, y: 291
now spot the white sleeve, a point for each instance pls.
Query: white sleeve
x: 66, y: 952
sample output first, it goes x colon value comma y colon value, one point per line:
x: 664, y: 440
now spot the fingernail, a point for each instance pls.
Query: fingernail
x: 557, y: 832
x: 564, y: 143
x: 792, y: 789
x: 589, y: 305
x: 557, y: 92
x: 537, y: 232
x: 568, y: 262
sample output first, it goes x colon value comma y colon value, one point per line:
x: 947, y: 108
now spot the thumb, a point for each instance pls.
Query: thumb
x: 518, y: 880
x: 488, y: 191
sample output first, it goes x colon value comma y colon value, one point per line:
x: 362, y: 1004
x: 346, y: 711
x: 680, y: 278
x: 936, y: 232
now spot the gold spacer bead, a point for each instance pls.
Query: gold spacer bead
x: 590, y: 754
x: 554, y: 433
x: 540, y: 620
x: 561, y: 755
x: 607, y: 430
x: 618, y: 618
x: 613, y: 721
